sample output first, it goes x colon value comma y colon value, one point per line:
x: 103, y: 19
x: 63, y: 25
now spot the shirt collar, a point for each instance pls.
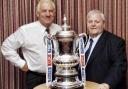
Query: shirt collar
x: 95, y: 38
x: 44, y: 28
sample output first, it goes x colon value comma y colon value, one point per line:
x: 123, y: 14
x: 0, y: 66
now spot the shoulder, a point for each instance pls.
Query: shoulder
x: 32, y: 25
x: 114, y: 39
x: 112, y: 36
x: 56, y: 26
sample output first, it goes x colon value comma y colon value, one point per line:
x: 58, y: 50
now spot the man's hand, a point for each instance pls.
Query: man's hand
x: 25, y: 68
x: 103, y: 86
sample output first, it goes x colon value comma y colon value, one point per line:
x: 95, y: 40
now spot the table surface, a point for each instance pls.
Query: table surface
x: 89, y: 85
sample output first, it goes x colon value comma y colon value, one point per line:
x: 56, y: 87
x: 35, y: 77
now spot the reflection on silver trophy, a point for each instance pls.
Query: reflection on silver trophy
x: 66, y: 59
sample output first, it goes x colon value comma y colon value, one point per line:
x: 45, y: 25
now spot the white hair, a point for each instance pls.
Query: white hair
x: 45, y: 1
x: 96, y: 12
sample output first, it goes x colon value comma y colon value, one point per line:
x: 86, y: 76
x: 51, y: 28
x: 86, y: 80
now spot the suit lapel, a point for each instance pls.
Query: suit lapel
x: 98, y: 47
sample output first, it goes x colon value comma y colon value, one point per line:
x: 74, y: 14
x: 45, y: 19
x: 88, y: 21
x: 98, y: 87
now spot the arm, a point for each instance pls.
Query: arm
x: 10, y: 46
x: 118, y: 63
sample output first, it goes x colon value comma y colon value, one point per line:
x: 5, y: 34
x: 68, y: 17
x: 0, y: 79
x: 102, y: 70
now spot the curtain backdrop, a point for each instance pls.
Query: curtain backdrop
x: 14, y: 13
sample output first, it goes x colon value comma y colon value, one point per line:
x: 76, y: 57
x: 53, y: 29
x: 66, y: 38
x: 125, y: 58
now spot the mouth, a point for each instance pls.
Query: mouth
x: 93, y: 28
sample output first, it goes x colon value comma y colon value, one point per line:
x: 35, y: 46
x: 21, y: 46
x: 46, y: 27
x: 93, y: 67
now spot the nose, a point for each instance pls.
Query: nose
x: 47, y: 13
x: 93, y: 24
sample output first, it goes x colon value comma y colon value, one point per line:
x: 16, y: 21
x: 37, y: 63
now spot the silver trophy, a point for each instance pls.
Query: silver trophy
x: 65, y: 59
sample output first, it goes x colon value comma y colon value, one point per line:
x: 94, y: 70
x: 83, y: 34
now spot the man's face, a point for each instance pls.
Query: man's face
x: 46, y: 14
x: 95, y: 24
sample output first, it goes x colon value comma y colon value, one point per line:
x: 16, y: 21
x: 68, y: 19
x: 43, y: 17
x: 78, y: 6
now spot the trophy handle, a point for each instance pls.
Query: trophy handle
x: 56, y: 47
x: 76, y: 43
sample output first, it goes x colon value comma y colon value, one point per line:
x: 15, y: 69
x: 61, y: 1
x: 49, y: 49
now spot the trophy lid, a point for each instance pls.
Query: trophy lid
x: 66, y: 34
x: 65, y: 26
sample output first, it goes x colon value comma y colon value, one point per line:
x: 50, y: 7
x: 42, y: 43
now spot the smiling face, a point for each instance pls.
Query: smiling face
x: 46, y: 12
x: 95, y: 24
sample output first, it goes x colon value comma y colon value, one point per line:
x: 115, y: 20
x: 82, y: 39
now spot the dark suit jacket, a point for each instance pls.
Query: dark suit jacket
x: 107, y: 63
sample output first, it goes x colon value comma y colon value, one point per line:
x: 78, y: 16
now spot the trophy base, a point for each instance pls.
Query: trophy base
x: 64, y: 87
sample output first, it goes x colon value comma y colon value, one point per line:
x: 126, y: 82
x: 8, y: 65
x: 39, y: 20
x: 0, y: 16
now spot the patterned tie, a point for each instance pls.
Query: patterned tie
x: 89, y: 49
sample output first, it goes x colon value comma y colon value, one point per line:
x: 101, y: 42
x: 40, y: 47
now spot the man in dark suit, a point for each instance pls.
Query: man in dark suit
x: 106, y: 61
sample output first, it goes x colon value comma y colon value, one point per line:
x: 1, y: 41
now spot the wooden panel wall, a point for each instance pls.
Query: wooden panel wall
x: 14, y: 13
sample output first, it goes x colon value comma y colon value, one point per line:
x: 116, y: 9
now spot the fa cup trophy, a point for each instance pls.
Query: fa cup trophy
x: 66, y: 59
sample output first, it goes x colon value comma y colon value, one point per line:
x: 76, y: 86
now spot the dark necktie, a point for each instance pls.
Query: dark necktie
x: 47, y: 30
x: 88, y: 50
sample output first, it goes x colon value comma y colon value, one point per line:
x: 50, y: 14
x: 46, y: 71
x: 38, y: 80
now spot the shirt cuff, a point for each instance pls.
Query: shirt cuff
x: 21, y: 63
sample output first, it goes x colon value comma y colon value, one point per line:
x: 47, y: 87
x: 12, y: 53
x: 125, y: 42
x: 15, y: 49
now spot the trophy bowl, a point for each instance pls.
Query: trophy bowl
x: 66, y: 60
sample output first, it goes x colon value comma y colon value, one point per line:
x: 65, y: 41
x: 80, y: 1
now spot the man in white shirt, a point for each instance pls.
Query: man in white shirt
x: 30, y: 38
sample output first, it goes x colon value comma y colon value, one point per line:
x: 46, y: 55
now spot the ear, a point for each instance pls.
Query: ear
x: 103, y: 24
x: 37, y: 14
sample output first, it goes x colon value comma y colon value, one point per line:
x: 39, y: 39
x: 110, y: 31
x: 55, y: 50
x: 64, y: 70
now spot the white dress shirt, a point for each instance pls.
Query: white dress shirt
x: 30, y: 38
x: 95, y: 39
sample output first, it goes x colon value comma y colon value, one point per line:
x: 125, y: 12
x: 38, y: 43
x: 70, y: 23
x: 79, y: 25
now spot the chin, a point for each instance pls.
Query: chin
x: 93, y: 34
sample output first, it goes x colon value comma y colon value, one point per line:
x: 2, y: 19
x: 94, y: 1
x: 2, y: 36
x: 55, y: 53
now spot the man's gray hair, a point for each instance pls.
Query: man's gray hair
x: 96, y: 12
